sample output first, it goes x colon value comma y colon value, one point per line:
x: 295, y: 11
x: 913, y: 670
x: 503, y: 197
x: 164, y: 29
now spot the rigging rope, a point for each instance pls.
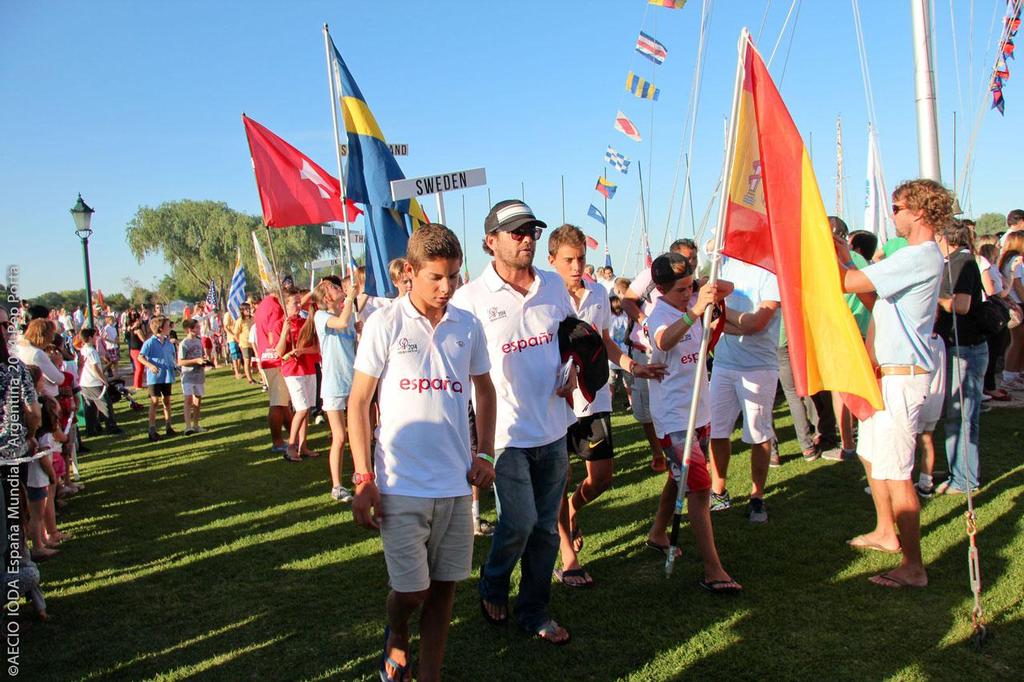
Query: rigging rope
x: 689, y: 124
x: 782, y: 32
x: 789, y: 47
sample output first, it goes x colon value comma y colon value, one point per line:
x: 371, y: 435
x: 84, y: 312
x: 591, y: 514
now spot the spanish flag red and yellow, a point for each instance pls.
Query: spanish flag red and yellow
x: 775, y: 219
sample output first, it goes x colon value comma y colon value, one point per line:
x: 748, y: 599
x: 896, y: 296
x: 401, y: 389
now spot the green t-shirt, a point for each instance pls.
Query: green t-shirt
x: 893, y: 245
x: 860, y: 313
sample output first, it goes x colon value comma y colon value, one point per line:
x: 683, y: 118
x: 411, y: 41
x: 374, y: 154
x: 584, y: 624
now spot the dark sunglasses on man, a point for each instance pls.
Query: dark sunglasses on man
x: 524, y: 232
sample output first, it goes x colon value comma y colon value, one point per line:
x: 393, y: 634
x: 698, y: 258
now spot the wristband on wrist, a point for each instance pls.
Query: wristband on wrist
x: 849, y: 265
x: 359, y: 479
x: 485, y: 457
x: 687, y: 319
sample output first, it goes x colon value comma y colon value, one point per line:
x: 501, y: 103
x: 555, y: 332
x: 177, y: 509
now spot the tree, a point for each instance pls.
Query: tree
x: 199, y: 241
x: 990, y: 223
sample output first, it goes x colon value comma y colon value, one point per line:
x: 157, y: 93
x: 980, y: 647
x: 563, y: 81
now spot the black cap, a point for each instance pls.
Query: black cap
x: 664, y: 268
x: 510, y: 215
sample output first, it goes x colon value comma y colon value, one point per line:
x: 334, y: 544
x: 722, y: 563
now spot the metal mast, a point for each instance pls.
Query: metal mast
x: 924, y: 91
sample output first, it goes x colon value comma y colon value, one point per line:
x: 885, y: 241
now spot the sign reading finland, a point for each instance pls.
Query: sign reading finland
x: 436, y: 184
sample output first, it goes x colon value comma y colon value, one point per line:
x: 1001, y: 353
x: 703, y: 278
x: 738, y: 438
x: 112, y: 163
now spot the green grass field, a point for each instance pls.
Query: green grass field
x: 212, y: 558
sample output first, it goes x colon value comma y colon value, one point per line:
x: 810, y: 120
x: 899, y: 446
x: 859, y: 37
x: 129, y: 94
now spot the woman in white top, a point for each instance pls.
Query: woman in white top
x: 994, y: 284
x: 1011, y: 266
x: 32, y: 351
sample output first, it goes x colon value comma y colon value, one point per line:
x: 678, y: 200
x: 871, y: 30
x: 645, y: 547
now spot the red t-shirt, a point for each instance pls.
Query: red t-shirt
x: 268, y: 318
x: 298, y: 365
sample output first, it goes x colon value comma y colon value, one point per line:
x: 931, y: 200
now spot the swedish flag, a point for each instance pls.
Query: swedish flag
x: 370, y: 170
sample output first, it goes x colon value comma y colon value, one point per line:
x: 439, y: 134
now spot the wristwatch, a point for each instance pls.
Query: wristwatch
x: 358, y: 479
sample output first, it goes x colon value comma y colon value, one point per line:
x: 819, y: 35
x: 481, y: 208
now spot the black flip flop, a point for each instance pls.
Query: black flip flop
x: 712, y: 586
x: 488, y: 617
x: 580, y: 572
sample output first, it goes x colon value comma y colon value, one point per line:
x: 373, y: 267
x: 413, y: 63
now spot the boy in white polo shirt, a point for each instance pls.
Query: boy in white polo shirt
x: 520, y: 308
x: 590, y: 438
x: 423, y: 354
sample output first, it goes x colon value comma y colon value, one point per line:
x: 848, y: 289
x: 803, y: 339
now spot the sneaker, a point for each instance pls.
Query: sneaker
x: 319, y: 419
x: 923, y: 490
x: 153, y: 436
x: 170, y: 431
x: 279, y: 448
x: 720, y: 502
x: 985, y: 397
x: 774, y: 461
x: 199, y: 429
x: 482, y: 527
x: 341, y: 494
x: 189, y: 431
x: 839, y: 454
x: 810, y: 455
x: 758, y: 513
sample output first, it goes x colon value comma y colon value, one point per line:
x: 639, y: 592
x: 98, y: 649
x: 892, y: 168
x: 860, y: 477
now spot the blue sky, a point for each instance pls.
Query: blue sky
x: 135, y: 104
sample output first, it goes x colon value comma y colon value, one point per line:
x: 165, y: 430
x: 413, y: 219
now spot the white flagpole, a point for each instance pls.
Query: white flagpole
x: 343, y: 242
x: 716, y: 260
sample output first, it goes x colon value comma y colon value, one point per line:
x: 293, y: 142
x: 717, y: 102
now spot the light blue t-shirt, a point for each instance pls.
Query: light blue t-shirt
x: 338, y: 355
x: 163, y: 355
x: 751, y: 351
x: 907, y: 283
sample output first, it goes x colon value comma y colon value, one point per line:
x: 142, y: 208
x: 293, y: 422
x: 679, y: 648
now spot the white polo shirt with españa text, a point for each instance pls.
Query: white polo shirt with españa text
x: 424, y: 387
x: 595, y: 310
x: 522, y: 341
x: 672, y: 396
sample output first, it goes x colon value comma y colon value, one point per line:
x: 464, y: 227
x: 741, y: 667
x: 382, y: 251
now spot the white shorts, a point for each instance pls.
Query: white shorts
x: 888, y: 438
x: 302, y: 391
x: 750, y: 392
x: 426, y: 538
x: 931, y: 411
x: 335, y: 403
x: 198, y: 390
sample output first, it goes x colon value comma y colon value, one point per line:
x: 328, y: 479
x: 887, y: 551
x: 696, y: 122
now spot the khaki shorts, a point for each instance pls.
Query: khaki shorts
x: 426, y: 538
x: 277, y: 389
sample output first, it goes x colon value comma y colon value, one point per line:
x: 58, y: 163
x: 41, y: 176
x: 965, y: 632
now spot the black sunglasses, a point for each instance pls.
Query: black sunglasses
x: 524, y: 232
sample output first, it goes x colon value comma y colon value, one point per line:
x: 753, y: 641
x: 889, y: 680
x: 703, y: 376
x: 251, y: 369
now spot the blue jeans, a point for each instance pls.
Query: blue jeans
x: 968, y: 367
x: 529, y: 486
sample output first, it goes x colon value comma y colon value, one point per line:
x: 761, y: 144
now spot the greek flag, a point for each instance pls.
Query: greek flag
x: 236, y: 296
x: 616, y: 160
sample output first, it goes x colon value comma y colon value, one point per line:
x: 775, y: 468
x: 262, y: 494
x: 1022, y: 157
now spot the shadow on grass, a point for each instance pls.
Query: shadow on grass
x: 189, y: 562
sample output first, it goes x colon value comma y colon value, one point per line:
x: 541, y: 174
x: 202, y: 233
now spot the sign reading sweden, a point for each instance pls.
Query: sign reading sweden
x: 435, y: 184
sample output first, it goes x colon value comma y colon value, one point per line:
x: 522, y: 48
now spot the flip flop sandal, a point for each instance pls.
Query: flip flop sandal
x: 488, y: 617
x: 386, y: 660
x: 580, y: 573
x: 872, y: 546
x: 547, y: 632
x: 289, y: 458
x: 892, y: 582
x: 576, y: 539
x: 716, y: 586
x: 662, y: 548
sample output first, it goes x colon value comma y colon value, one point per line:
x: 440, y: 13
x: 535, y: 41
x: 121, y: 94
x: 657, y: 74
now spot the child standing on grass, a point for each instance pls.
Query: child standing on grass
x: 193, y: 376
x: 336, y: 329
x: 158, y: 357
x: 299, y: 355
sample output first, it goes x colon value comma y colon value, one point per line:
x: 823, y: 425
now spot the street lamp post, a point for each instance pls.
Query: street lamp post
x: 83, y: 219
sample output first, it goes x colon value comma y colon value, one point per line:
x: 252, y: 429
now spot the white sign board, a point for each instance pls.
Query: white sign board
x: 396, y: 149
x: 353, y: 235
x: 323, y: 263
x: 436, y: 184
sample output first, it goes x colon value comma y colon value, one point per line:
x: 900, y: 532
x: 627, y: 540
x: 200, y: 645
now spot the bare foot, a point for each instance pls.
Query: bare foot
x: 495, y: 613
x: 554, y: 633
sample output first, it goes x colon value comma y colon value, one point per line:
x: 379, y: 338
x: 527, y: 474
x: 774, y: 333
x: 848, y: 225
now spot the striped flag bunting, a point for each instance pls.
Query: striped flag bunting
x: 606, y: 187
x: 651, y: 48
x: 641, y: 88
x: 596, y: 214
x: 616, y: 160
x: 626, y: 127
